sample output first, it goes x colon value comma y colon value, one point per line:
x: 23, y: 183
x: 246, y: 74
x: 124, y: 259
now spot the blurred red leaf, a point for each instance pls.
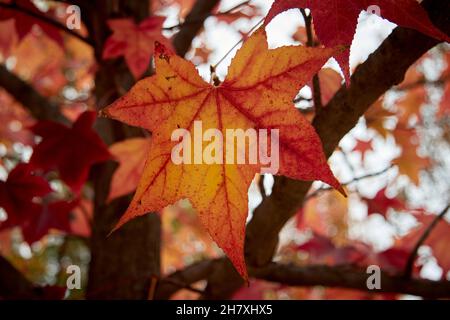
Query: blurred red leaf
x: 72, y: 151
x: 338, y: 29
x: 381, y: 203
x: 135, y: 42
x: 363, y: 147
x: 24, y: 22
x: 19, y: 189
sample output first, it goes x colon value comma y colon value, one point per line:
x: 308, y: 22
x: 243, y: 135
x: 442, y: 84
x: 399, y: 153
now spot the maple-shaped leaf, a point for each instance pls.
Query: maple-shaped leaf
x: 131, y: 155
x: 376, y: 116
x: 45, y: 217
x: 201, y: 54
x: 70, y: 150
x: 363, y: 147
x: 136, y: 43
x: 25, y: 22
x: 256, y: 94
x: 409, y: 163
x: 335, y: 21
x: 19, y: 189
x: 381, y: 203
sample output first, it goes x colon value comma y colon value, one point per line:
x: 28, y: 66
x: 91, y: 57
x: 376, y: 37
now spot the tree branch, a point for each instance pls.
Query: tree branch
x: 40, y: 107
x: 350, y: 277
x: 412, y: 257
x: 192, y: 25
x: 43, y: 18
x: 183, y: 279
x: 370, y: 80
x: 356, y: 179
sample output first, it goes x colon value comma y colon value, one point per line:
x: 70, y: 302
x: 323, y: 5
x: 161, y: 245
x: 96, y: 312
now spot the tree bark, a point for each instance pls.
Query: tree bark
x: 122, y: 263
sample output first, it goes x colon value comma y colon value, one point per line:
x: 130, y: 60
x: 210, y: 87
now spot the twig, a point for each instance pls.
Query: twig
x: 193, y: 24
x: 412, y: 257
x: 370, y: 175
x: 179, y: 25
x: 349, y: 277
x: 237, y: 43
x: 56, y: 24
x: 317, y: 96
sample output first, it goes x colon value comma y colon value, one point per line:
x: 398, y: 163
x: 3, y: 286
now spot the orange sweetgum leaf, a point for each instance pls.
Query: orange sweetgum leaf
x: 376, y: 116
x: 335, y: 21
x: 256, y: 94
x: 131, y: 155
x: 134, y: 42
x: 409, y: 163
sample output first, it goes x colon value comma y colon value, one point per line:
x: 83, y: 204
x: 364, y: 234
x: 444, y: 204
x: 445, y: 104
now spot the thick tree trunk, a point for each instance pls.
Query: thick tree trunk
x: 123, y: 263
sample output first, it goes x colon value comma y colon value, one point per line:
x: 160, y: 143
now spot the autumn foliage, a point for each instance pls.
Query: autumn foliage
x: 86, y: 149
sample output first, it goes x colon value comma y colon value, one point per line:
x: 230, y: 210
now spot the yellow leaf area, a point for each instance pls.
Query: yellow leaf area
x: 256, y: 94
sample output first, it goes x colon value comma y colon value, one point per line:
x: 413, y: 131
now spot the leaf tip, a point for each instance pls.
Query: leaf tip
x: 161, y: 51
x: 342, y: 191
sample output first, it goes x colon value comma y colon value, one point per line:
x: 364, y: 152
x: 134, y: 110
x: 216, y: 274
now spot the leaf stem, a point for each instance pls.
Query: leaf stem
x: 317, y: 96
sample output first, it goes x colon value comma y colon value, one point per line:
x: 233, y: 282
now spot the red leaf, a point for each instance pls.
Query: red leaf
x: 381, y: 203
x: 72, y: 151
x: 135, y: 42
x: 43, y: 218
x: 335, y: 20
x: 25, y: 22
x: 363, y: 147
x: 18, y: 191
